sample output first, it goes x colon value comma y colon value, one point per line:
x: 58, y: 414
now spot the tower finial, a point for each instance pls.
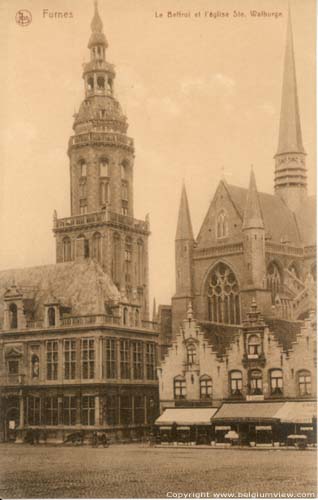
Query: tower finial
x: 253, y: 217
x: 184, y: 226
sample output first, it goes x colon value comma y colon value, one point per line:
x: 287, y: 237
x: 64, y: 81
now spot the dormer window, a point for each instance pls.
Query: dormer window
x: 222, y: 225
x: 13, y: 316
x: 51, y: 316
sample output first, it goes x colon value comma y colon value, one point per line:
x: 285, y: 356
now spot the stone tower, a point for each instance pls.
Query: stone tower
x: 290, y: 164
x: 102, y: 224
x: 184, y: 244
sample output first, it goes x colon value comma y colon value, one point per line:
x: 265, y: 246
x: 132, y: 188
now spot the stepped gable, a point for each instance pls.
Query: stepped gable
x: 81, y: 285
x: 279, y: 220
x: 284, y: 332
x: 220, y: 337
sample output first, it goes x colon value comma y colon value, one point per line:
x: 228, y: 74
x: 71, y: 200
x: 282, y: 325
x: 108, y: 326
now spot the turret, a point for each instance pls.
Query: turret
x: 184, y: 244
x: 254, y: 237
x: 290, y: 164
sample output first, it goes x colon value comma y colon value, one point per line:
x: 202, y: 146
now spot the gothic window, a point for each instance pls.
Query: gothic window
x: 191, y: 354
x: 104, y: 168
x: 100, y: 82
x: 236, y: 383
x: 66, y: 249
x: 179, y: 386
x: 222, y: 225
x: 83, y: 168
x: 97, y: 246
x: 88, y: 358
x: 205, y: 387
x: 255, y: 382
x: 223, y: 296
x: 13, y: 316
x: 276, y: 382
x: 273, y: 280
x: 254, y: 345
x: 304, y: 383
x: 140, y: 261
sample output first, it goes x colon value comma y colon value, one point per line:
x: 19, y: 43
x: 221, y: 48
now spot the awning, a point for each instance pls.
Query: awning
x: 248, y: 411
x: 297, y: 412
x: 186, y: 416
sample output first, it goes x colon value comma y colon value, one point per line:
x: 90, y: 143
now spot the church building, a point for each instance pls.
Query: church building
x: 248, y: 280
x: 77, y: 350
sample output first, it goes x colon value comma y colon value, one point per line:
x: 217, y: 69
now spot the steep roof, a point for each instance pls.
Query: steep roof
x: 306, y: 220
x: 279, y: 220
x: 253, y: 217
x: 290, y: 137
x: 81, y: 285
x: 184, y: 226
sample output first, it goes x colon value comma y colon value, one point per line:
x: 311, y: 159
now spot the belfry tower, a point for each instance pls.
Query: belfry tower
x: 290, y: 159
x: 102, y: 224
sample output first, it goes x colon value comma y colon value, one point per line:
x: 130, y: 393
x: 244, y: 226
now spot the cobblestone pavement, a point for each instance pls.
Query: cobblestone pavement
x: 136, y: 471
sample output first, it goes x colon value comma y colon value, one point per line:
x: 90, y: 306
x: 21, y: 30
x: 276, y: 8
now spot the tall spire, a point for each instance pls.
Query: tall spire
x: 184, y: 226
x: 253, y: 217
x: 97, y: 36
x: 290, y: 137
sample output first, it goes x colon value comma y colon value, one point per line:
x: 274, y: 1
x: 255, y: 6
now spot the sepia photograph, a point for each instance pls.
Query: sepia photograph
x: 158, y: 249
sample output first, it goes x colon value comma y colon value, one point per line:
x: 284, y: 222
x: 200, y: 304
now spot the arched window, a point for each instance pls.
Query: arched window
x: 100, y: 83
x: 223, y: 296
x: 124, y: 170
x: 276, y: 382
x: 304, y: 383
x: 51, y: 316
x: 90, y: 83
x: 236, y: 383
x: 97, y: 246
x: 67, y: 249
x: 179, y: 386
x: 125, y: 316
x: 255, y: 382
x: 104, y: 192
x: 205, y: 387
x: 191, y: 354
x: 116, y: 271
x: 254, y: 346
x: 104, y: 168
x: 13, y: 316
x: 83, y: 168
x: 140, y: 262
x: 221, y: 225
x: 273, y: 280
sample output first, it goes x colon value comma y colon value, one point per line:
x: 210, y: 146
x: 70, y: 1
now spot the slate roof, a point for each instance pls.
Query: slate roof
x: 81, y: 285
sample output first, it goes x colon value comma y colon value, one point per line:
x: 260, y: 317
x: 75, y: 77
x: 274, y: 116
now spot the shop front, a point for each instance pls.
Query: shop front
x: 185, y: 425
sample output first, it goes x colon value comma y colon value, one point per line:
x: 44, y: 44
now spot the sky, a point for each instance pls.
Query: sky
x: 202, y: 97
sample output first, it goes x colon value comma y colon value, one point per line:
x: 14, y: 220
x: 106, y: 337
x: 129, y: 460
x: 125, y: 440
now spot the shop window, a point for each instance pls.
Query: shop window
x: 66, y: 249
x: 276, y: 382
x: 51, y: 316
x: 33, y: 410
x: 236, y: 383
x: 112, y: 410
x: 13, y: 316
x: 88, y: 358
x: 125, y: 409
x: 223, y: 296
x: 191, y: 354
x: 255, y: 382
x: 254, y: 346
x: 180, y: 390
x: 51, y: 411
x: 88, y: 410
x: 205, y: 387
x: 139, y: 407
x: 304, y: 383
x: 222, y: 225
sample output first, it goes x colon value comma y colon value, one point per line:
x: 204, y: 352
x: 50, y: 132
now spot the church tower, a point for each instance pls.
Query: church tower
x: 290, y: 164
x: 102, y: 224
x: 184, y: 244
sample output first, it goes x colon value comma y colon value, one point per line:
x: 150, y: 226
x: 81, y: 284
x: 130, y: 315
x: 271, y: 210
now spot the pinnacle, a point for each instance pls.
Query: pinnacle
x: 184, y: 226
x: 253, y: 217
